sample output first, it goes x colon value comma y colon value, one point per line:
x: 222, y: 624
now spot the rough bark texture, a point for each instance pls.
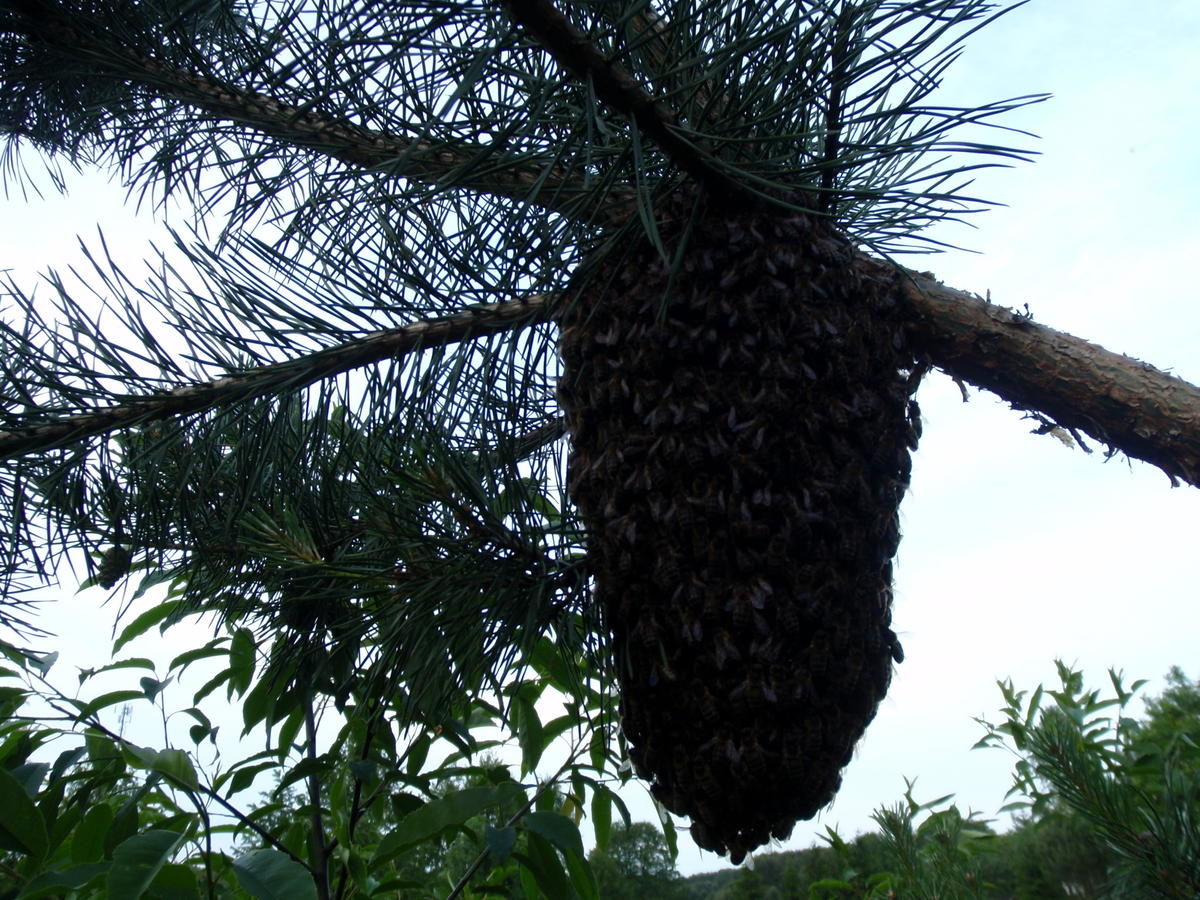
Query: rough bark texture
x: 1122, y: 402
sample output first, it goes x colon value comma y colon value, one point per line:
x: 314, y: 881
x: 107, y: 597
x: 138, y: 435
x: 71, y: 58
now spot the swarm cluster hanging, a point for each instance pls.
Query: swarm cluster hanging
x: 741, y: 431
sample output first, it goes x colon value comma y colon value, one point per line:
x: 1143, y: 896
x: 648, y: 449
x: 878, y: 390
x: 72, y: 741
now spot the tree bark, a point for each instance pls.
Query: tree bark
x: 1126, y: 404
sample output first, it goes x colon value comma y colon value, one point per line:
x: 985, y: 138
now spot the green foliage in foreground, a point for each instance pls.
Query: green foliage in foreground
x: 1107, y: 801
x: 359, y: 808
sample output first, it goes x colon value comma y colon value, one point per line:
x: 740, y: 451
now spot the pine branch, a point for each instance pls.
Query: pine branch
x: 264, y: 380
x: 576, y: 54
x: 1126, y: 404
x: 1077, y: 385
x: 458, y: 164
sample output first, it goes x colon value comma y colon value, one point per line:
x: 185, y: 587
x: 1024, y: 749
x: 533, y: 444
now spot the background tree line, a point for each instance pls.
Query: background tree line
x: 1106, y: 805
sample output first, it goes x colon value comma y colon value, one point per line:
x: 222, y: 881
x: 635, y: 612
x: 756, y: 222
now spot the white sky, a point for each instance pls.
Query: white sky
x: 1017, y: 550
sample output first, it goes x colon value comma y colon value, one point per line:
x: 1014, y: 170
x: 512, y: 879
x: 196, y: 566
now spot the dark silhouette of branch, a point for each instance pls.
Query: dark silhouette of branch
x: 458, y: 163
x: 572, y: 50
x: 264, y: 380
x: 1126, y: 404
x: 1123, y: 403
x: 320, y: 852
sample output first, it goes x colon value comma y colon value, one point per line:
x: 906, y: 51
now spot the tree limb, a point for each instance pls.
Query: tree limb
x: 427, y: 162
x: 572, y: 50
x: 1126, y: 404
x: 286, y: 376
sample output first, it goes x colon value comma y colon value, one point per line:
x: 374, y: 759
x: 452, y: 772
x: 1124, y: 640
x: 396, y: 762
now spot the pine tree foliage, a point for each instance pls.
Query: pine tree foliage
x: 331, y: 407
x: 1080, y: 752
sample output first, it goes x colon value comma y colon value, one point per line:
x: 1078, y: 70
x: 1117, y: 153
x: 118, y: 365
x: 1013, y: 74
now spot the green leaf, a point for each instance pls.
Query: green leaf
x: 557, y: 829
x: 547, y: 868
x: 266, y: 703
x: 213, y: 648
x: 124, y: 823
x: 417, y: 751
x: 22, y: 827
x: 174, y: 764
x: 211, y: 685
x: 530, y: 734
x: 57, y: 883
x: 102, y: 750
x: 602, y: 817
x: 29, y: 776
x: 112, y: 698
x: 436, y: 816
x: 403, y: 803
x: 145, y: 622
x: 134, y: 662
x: 500, y: 841
x: 320, y: 766
x: 137, y: 860
x: 203, y: 727
x: 669, y: 833
x: 270, y: 875
x: 366, y: 771
x: 152, y: 687
x: 243, y: 777
x: 241, y: 661
x: 288, y: 731
x: 583, y: 879
x: 87, y: 843
x: 175, y: 881
x: 199, y: 732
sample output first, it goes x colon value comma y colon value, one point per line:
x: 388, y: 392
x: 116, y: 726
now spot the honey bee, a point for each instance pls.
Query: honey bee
x: 623, y: 528
x: 693, y: 631
x: 739, y: 612
x: 792, y: 762
x: 645, y: 634
x: 788, y: 616
x: 669, y: 571
x: 778, y: 556
x: 707, y: 781
x: 732, y: 751
x: 725, y: 650
x: 706, y: 707
x: 704, y: 837
x: 819, y: 661
x: 782, y: 831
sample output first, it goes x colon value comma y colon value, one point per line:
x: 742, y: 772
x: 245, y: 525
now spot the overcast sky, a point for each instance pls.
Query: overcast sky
x: 1017, y: 550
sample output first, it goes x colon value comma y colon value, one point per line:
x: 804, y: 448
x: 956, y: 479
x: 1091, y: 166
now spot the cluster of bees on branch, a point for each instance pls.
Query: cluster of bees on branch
x: 741, y: 430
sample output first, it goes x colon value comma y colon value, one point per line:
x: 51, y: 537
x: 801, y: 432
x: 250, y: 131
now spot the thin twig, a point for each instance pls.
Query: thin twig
x: 319, y: 850
x: 574, y: 51
x: 461, y: 884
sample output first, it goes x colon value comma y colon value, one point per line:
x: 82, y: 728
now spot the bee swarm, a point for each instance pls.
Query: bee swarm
x: 741, y: 433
